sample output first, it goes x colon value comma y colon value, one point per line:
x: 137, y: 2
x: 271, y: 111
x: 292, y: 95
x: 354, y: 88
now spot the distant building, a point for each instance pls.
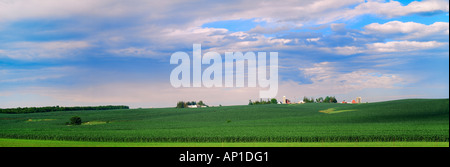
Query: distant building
x: 288, y: 101
x: 285, y: 101
x: 192, y: 106
x: 358, y: 100
x: 344, y: 102
x: 353, y: 101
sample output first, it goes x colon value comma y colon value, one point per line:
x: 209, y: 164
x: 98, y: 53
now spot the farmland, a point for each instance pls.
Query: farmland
x: 59, y: 143
x: 410, y: 120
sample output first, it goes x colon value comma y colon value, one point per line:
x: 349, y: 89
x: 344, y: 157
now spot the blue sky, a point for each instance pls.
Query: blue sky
x: 117, y: 52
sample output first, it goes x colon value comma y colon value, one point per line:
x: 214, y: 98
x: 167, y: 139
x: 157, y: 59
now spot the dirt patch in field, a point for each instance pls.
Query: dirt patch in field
x: 334, y: 111
x: 95, y: 122
x: 38, y: 120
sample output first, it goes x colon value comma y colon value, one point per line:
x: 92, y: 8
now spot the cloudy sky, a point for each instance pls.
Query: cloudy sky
x: 72, y: 52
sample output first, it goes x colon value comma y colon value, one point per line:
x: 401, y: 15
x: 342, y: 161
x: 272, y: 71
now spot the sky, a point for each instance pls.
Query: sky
x: 111, y: 52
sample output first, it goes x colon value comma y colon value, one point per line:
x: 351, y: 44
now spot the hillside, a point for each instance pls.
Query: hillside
x: 400, y: 120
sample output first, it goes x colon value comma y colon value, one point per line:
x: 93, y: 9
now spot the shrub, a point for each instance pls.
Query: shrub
x: 75, y: 120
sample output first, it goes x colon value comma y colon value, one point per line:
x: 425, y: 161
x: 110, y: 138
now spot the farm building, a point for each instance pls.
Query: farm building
x: 288, y: 101
x: 285, y: 101
x: 192, y: 106
x: 358, y: 100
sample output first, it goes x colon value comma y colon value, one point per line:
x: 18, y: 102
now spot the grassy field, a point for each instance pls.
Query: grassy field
x: 411, y: 122
x: 52, y: 143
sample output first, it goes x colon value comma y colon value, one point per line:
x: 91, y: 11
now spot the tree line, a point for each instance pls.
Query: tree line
x: 328, y: 99
x: 58, y: 108
x: 182, y: 104
x: 261, y: 101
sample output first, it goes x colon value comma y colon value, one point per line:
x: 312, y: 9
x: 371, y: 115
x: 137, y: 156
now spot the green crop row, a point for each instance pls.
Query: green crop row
x: 387, y: 138
x: 58, y: 108
x: 402, y: 120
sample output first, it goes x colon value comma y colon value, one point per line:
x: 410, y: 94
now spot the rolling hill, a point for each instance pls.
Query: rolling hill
x: 411, y: 120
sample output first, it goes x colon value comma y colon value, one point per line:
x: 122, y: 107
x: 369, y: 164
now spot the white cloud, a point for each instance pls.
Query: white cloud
x: 386, y: 47
x: 161, y: 27
x: 244, y: 42
x: 11, y: 10
x: 167, y: 26
x: 189, y: 13
x: 36, y: 74
x: 408, y: 30
x: 133, y: 51
x: 319, y: 71
x: 173, y: 39
x: 347, y: 50
x: 327, y: 78
x: 39, y: 50
x: 402, y: 46
x: 394, y: 8
x: 273, y: 28
x: 25, y: 9
x: 312, y: 39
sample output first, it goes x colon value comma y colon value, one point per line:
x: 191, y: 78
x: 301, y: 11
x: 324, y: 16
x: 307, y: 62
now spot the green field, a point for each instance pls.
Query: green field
x: 53, y: 143
x: 411, y: 122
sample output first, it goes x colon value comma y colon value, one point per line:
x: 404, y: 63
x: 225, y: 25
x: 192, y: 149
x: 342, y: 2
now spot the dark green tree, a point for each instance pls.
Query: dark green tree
x: 333, y: 100
x: 181, y: 104
x: 319, y: 100
x: 327, y: 99
x: 75, y: 120
x: 307, y: 100
x: 274, y: 101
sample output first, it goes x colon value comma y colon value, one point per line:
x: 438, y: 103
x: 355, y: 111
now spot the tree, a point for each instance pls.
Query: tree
x: 307, y: 100
x: 327, y: 99
x: 319, y: 100
x: 330, y: 99
x: 201, y: 103
x: 333, y: 100
x: 261, y: 101
x: 274, y: 101
x: 181, y: 104
x: 75, y: 120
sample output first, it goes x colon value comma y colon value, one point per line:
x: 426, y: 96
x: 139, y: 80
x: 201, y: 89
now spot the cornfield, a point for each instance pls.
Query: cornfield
x: 401, y: 120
